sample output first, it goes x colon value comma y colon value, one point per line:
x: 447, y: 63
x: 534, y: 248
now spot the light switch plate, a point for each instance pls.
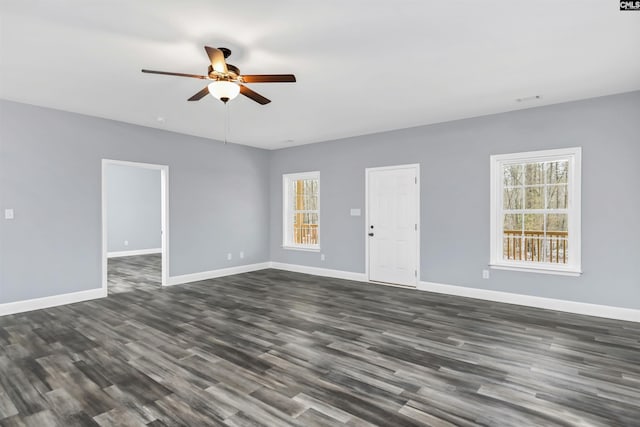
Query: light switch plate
x: 355, y: 212
x: 8, y: 214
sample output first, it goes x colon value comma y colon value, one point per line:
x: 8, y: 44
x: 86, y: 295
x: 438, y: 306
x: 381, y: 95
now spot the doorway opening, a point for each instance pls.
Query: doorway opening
x: 393, y: 224
x: 134, y: 226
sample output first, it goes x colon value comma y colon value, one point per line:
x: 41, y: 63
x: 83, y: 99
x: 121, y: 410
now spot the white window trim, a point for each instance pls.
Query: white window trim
x: 496, y: 261
x: 286, y: 212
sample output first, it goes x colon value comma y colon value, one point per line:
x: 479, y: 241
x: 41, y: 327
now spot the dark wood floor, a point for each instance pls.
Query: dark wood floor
x: 129, y: 273
x: 276, y: 348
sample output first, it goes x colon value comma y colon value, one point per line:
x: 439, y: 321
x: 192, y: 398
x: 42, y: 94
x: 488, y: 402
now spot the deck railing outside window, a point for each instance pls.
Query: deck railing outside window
x: 305, y: 234
x: 538, y: 246
x: 302, y: 219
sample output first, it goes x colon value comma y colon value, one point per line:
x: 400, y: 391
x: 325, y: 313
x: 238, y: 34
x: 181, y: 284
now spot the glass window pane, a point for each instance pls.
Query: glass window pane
x: 557, y: 197
x: 305, y: 193
x: 297, y: 228
x: 534, y: 173
x: 557, y: 172
x: 298, y: 195
x: 512, y: 175
x: 533, y: 223
x: 312, y: 218
x: 534, y: 198
x: 557, y: 223
x: 533, y: 242
x: 302, y: 197
x: 556, y: 249
x: 557, y: 238
x: 312, y: 187
x: 512, y: 224
x: 308, y: 229
x: 512, y: 236
x: 512, y: 198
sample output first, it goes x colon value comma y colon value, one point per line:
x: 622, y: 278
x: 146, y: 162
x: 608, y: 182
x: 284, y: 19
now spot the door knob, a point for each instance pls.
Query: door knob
x: 371, y: 234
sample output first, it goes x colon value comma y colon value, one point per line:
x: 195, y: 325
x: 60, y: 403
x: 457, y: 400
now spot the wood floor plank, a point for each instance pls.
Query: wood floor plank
x: 276, y: 348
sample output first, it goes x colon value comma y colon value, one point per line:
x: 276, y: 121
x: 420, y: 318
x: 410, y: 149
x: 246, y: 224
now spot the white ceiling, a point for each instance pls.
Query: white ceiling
x: 362, y: 66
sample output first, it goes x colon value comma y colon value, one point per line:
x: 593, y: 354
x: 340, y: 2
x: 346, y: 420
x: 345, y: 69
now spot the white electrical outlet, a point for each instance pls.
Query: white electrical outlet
x: 321, y: 257
x: 8, y: 214
x: 485, y: 274
x: 241, y: 254
x: 229, y: 256
x: 126, y: 243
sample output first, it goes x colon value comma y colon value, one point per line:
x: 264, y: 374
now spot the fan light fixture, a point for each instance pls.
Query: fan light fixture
x: 227, y: 82
x: 224, y: 90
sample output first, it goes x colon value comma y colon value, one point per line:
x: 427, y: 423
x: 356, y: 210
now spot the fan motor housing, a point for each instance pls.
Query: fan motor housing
x: 233, y: 74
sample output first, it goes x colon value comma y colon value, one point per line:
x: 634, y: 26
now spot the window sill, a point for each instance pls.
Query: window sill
x: 302, y: 248
x: 537, y: 269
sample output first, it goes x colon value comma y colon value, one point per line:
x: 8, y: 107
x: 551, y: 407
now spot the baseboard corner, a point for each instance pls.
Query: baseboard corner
x: 318, y: 271
x: 212, y: 274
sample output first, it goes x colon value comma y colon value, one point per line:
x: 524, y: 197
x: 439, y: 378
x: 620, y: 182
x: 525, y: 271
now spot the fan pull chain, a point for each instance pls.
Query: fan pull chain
x: 226, y: 122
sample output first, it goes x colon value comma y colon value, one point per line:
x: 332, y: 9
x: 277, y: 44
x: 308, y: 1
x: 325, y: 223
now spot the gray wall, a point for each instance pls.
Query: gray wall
x: 455, y: 211
x: 50, y: 172
x: 219, y: 201
x: 133, y: 208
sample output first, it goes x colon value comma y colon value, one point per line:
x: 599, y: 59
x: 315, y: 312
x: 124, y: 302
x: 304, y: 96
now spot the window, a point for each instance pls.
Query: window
x: 535, y: 211
x: 301, y: 195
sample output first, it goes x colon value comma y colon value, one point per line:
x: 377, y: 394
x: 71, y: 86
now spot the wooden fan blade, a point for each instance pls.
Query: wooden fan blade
x: 198, y: 96
x: 268, y: 78
x: 217, y: 59
x: 253, y: 95
x: 167, y: 73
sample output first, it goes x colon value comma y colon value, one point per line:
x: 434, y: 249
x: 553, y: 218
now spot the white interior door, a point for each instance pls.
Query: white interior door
x: 392, y: 224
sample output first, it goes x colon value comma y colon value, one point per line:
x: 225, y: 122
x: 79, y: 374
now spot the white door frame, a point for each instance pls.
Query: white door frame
x: 367, y: 171
x: 164, y: 215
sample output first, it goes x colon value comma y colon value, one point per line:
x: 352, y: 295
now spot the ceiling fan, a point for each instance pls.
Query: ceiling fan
x: 227, y: 81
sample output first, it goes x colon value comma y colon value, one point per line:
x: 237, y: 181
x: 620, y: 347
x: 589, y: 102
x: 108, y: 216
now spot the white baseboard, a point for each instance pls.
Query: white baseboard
x: 609, y: 312
x: 618, y: 313
x: 212, y: 274
x: 55, y: 300
x: 119, y: 254
x: 52, y: 301
x: 317, y: 271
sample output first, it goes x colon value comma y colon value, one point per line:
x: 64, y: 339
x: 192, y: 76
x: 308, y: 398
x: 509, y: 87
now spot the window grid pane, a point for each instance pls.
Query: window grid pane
x: 535, y: 205
x: 304, y: 217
